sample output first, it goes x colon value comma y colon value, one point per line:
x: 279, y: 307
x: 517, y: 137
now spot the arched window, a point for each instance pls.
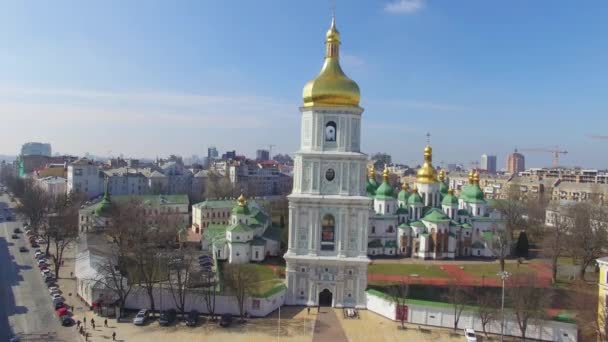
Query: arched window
x: 390, y: 229
x: 331, y: 131
x: 373, y: 229
x: 328, y: 229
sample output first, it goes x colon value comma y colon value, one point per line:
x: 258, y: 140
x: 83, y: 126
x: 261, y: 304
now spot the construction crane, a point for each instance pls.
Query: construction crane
x: 555, y: 151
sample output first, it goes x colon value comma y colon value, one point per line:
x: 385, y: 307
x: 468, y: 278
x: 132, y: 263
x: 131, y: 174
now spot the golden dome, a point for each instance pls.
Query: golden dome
x: 471, y: 176
x: 241, y: 200
x: 331, y: 87
x: 405, y: 186
x: 385, y: 173
x: 476, y: 178
x: 442, y: 175
x: 370, y: 172
x: 427, y: 173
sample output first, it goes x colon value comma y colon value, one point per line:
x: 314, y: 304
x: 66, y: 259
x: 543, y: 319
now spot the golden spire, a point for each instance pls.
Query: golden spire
x: 370, y: 172
x: 331, y: 87
x: 405, y: 186
x: 476, y: 178
x: 451, y: 191
x: 442, y: 175
x: 427, y: 173
x: 471, y: 176
x: 385, y: 173
x: 241, y: 200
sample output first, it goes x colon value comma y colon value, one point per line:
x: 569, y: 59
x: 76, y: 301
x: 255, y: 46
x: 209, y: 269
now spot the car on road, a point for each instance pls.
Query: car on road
x: 167, y: 317
x: 192, y: 319
x: 67, y: 321
x: 14, y: 236
x: 57, y: 300
x: 141, y: 317
x: 38, y: 254
x: 56, y: 292
x: 45, y: 272
x: 470, y: 335
x: 226, y: 320
x: 22, y: 249
x: 17, y: 230
x: 58, y: 305
x: 41, y: 261
x: 53, y: 289
x: 56, y: 295
x: 41, y: 241
x: 34, y: 245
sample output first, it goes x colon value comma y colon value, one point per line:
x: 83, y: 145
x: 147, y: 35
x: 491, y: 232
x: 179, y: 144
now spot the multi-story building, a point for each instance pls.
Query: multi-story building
x: 328, y: 210
x: 36, y: 149
x: 259, y: 179
x: 53, y: 185
x: 602, y: 301
x: 84, y: 177
x: 95, y: 216
x: 262, y: 155
x: 127, y: 181
x: 516, y: 162
x: 488, y: 163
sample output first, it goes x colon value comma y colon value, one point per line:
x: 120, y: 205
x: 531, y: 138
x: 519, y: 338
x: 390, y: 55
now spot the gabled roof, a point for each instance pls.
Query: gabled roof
x: 237, y: 228
x: 273, y: 233
x: 258, y: 241
x: 417, y: 224
x: 156, y: 174
x: 436, y: 216
x: 216, y: 204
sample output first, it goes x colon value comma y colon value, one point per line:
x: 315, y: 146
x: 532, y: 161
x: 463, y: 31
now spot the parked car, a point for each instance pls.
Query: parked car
x: 41, y: 241
x: 67, y: 321
x: 14, y: 236
x: 41, y: 261
x: 141, y: 317
x: 58, y: 305
x: 55, y: 292
x: 167, y: 317
x: 22, y: 249
x: 17, y: 230
x: 49, y: 279
x: 470, y: 335
x: 53, y: 288
x: 34, y: 244
x: 38, y: 254
x: 57, y: 300
x: 62, y: 311
x: 226, y: 320
x: 192, y: 319
x: 56, y: 295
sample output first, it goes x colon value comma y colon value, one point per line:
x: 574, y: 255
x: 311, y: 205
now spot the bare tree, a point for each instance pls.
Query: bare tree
x: 182, y: 267
x: 241, y: 282
x: 501, y: 246
x: 554, y: 242
x: 399, y: 293
x: 583, y: 299
x: 512, y: 209
x: 458, y: 298
x: 527, y: 301
x: 62, y: 228
x: 488, y: 303
x: 588, y: 233
x: 209, y: 284
x: 114, y: 276
x: 34, y: 204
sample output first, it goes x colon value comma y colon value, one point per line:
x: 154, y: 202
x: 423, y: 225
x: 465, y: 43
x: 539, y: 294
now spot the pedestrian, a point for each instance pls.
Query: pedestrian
x: 105, y: 322
x: 318, y: 308
x: 71, y: 274
x: 93, y: 324
x: 308, y: 309
x: 78, y: 324
x: 114, y: 336
x: 92, y: 320
x: 84, y: 321
x: 61, y: 262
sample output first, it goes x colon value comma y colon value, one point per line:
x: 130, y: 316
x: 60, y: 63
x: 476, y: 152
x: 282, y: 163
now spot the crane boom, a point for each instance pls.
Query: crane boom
x: 555, y: 151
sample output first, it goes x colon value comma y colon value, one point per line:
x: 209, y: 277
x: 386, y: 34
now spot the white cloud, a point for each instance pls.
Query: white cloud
x: 404, y: 6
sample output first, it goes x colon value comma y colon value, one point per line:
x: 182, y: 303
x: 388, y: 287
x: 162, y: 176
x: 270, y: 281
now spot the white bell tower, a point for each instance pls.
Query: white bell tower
x: 328, y: 208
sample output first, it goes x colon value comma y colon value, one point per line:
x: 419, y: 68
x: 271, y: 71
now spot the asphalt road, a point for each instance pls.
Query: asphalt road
x: 25, y: 304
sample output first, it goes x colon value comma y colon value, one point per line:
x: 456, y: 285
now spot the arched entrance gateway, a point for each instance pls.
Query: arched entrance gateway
x: 325, y: 298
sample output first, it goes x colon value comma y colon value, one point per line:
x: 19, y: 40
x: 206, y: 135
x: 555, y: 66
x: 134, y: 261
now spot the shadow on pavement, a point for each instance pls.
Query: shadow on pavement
x: 10, y: 275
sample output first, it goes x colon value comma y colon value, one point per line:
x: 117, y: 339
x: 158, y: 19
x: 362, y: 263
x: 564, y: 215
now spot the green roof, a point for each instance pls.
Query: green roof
x: 487, y: 236
x: 391, y: 244
x: 237, y: 228
x: 463, y: 212
x: 371, y: 188
x: 403, y: 195
x: 450, y: 200
x: 414, y: 198
x: 472, y: 194
x: 403, y: 226
x: 466, y: 226
x: 374, y: 243
x: 385, y: 191
x: 417, y: 224
x: 478, y: 244
x: 401, y: 211
x: 443, y: 188
x: 214, y: 232
x: 258, y: 241
x: 215, y: 204
x: 240, y: 209
x: 105, y: 206
x: 157, y: 200
x: 436, y: 216
x: 273, y: 233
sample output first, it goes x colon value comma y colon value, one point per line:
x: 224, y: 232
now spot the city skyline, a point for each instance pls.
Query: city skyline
x: 177, y: 79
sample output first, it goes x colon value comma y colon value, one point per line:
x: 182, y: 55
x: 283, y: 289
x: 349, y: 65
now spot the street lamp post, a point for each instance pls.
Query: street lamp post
x: 503, y: 276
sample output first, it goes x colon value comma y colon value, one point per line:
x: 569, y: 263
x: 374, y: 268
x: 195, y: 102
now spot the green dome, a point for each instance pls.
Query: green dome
x: 472, y: 193
x: 371, y: 188
x: 104, y: 207
x: 241, y: 207
x: 385, y: 191
x: 403, y: 195
x: 414, y: 198
x: 450, y: 200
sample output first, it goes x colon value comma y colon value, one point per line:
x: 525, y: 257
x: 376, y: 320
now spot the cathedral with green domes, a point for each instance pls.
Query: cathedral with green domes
x: 427, y: 220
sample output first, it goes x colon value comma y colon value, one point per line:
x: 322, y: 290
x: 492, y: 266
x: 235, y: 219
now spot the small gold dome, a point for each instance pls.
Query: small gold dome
x: 405, y: 186
x: 385, y: 173
x: 241, y: 200
x: 426, y: 173
x: 331, y: 87
x: 476, y: 178
x: 471, y: 176
x: 442, y: 175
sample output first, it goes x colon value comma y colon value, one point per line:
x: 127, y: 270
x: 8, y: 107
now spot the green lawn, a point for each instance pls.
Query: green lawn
x: 490, y: 270
x: 407, y: 269
x: 267, y: 279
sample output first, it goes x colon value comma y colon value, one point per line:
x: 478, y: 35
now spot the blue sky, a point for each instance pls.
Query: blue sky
x: 148, y: 78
